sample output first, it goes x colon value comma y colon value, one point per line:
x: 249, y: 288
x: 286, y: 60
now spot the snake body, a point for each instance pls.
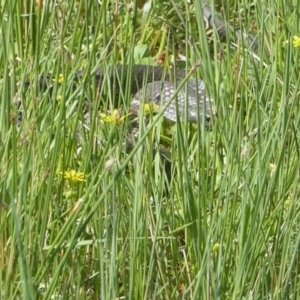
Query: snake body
x: 182, y: 99
x: 166, y: 90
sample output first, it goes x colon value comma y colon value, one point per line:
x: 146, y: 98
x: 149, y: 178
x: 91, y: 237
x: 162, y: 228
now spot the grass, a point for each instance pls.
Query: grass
x: 97, y: 220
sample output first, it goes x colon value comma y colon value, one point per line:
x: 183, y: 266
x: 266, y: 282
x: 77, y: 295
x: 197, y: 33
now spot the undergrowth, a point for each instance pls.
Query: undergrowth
x: 180, y: 213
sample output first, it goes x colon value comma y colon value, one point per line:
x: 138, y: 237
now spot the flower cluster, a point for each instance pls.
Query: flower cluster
x: 73, y: 176
x: 116, y: 117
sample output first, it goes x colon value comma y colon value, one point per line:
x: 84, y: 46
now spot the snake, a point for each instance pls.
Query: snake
x: 179, y: 97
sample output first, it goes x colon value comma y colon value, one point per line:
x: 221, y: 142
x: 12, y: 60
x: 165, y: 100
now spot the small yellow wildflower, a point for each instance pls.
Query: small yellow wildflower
x: 116, y: 117
x: 216, y: 247
x: 59, y: 97
x: 150, y: 108
x: 296, y: 41
x: 73, y: 176
x: 60, y: 79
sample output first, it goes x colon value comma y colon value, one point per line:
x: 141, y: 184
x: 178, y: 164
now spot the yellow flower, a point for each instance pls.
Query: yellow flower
x: 73, y: 176
x: 216, y: 247
x: 116, y: 117
x: 60, y: 78
x: 150, y: 108
x: 296, y: 41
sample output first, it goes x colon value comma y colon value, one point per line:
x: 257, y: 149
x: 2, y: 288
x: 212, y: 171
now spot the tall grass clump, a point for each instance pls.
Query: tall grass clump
x: 88, y: 212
